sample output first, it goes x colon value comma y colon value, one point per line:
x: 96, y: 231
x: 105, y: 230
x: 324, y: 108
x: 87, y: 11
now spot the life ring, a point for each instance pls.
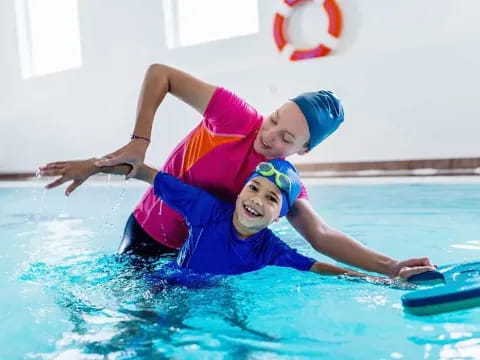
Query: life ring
x: 334, y: 30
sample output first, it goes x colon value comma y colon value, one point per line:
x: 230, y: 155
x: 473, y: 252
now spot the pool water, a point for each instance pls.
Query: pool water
x: 65, y: 295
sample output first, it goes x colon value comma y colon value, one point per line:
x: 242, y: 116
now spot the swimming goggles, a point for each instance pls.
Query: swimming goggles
x: 281, y: 180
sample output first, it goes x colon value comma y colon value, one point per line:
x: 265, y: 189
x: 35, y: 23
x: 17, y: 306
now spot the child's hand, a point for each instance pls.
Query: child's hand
x: 398, y: 282
x: 78, y: 171
x: 378, y: 280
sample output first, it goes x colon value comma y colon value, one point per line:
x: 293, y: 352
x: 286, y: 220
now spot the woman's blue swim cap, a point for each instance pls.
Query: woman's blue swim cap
x: 324, y: 114
x: 286, y: 168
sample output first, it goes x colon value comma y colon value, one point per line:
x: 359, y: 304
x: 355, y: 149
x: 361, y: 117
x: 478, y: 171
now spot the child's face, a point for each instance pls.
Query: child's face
x: 258, y: 204
x: 283, y: 133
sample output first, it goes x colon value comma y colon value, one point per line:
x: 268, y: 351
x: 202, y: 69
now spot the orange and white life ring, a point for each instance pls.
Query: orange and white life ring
x: 334, y: 30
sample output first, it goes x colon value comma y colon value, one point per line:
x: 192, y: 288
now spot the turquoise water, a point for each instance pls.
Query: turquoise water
x: 65, y: 295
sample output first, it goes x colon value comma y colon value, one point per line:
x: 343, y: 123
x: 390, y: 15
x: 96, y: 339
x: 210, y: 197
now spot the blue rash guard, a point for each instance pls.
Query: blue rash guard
x: 213, y: 245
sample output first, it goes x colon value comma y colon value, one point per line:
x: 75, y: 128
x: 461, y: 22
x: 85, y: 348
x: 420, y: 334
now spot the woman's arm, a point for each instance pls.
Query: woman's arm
x: 344, y: 248
x: 159, y: 80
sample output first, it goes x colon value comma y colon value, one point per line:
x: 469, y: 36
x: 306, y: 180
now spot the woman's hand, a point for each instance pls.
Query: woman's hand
x: 409, y: 267
x: 78, y: 171
x: 132, y: 154
x: 407, y: 271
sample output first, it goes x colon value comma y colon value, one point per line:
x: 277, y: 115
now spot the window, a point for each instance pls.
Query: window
x: 48, y: 36
x: 190, y: 22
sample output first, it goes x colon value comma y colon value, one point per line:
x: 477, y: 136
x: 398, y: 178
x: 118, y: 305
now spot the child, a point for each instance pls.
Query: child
x: 233, y: 239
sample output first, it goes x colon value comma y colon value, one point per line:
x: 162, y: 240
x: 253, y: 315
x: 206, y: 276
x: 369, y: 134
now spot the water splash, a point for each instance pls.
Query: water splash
x: 114, y: 202
x: 41, y: 205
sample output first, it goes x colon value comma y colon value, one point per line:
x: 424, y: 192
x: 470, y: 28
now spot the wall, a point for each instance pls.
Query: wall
x: 406, y: 72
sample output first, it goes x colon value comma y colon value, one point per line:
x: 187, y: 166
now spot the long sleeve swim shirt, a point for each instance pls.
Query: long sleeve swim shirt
x: 212, y: 245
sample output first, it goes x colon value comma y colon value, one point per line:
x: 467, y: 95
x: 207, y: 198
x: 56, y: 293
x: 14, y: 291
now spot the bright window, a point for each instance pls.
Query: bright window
x: 48, y: 36
x: 190, y: 22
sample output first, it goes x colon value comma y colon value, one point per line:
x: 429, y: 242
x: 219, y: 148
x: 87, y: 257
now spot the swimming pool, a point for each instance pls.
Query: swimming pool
x: 65, y: 295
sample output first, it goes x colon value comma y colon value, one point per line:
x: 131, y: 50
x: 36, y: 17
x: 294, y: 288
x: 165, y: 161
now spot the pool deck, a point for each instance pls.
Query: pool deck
x: 416, y: 171
x: 118, y: 181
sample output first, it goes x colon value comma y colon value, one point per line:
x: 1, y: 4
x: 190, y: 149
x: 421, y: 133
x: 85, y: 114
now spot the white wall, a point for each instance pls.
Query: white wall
x: 407, y: 72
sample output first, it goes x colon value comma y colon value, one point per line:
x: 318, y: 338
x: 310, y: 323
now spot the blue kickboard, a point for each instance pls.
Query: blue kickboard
x: 457, y: 287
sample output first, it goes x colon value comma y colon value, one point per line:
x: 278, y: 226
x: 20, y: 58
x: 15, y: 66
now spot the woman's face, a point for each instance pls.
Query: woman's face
x: 283, y: 133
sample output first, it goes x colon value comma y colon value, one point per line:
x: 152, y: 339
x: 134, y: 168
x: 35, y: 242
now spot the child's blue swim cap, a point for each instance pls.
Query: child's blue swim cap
x: 324, y: 114
x: 274, y: 170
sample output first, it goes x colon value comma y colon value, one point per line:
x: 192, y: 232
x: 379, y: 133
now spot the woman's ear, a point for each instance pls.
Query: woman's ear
x: 303, y: 151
